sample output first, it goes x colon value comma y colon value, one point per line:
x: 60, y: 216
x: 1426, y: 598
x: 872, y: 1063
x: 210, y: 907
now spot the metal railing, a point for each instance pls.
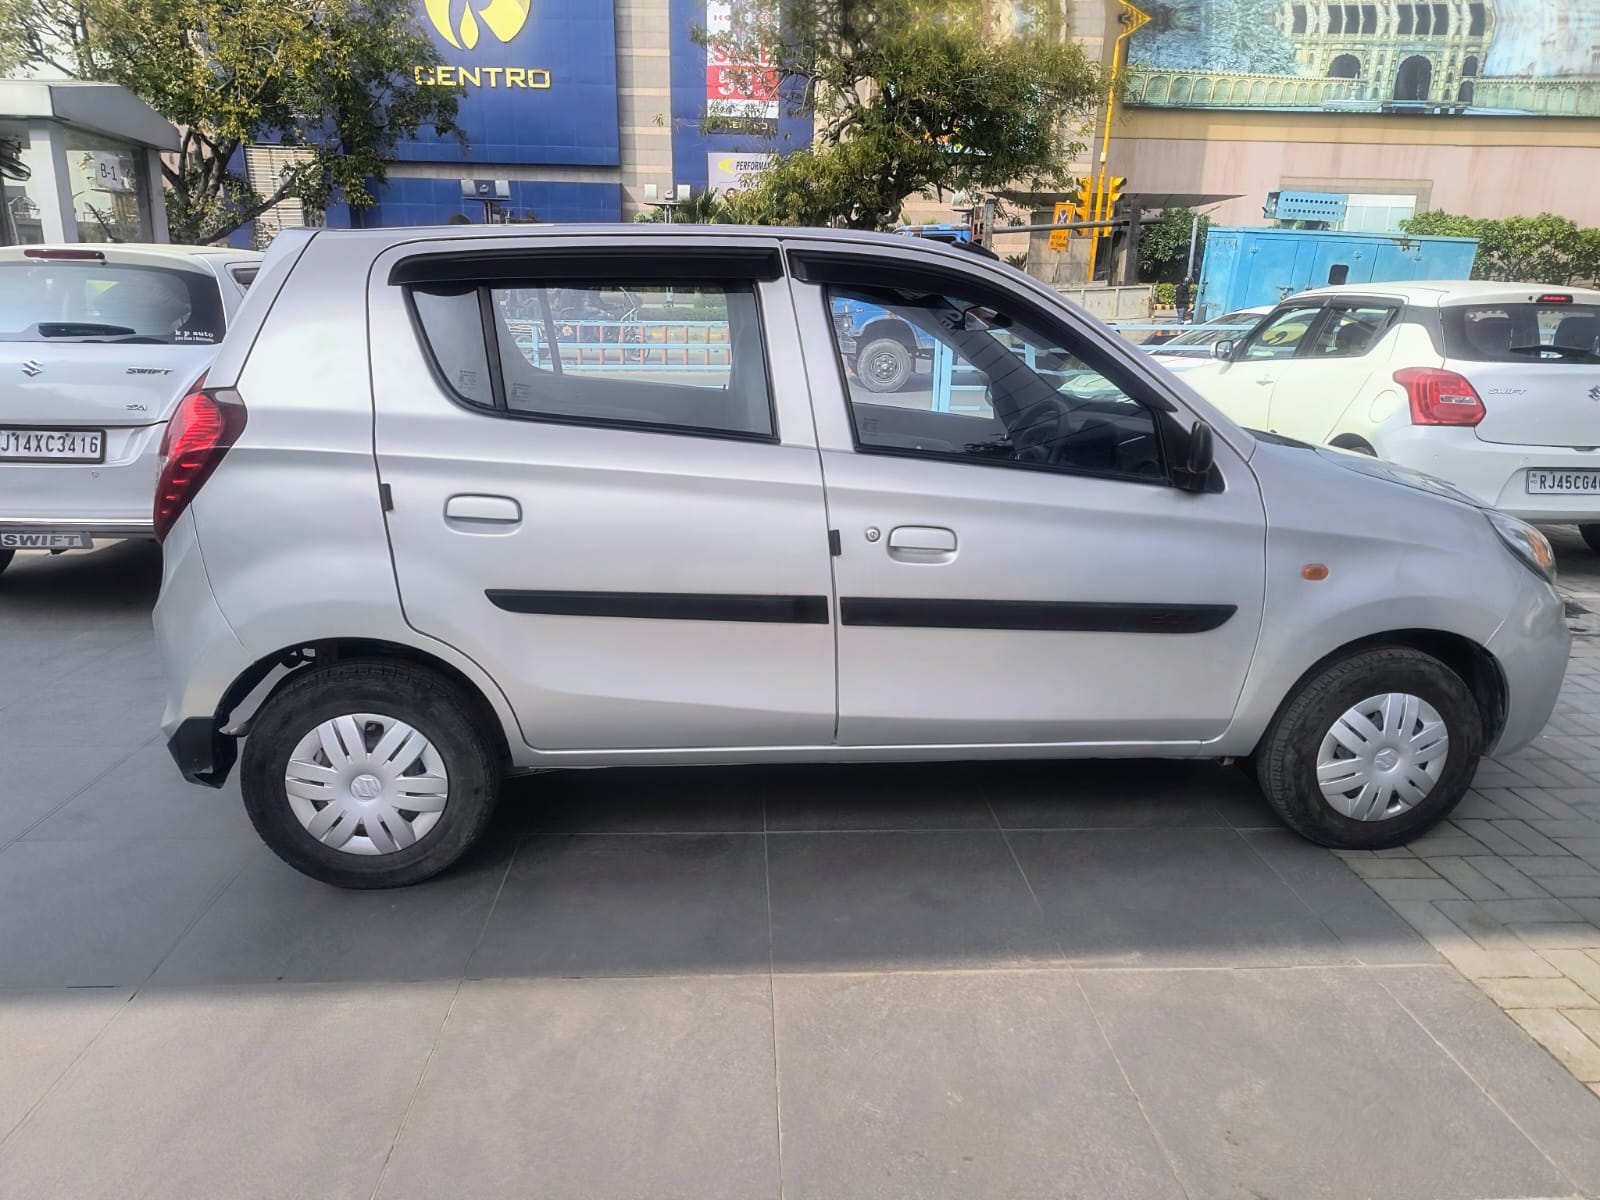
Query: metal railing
x: 627, y: 345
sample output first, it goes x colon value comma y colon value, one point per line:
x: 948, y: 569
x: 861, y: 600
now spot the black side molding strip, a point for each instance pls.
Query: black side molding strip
x: 665, y: 606
x: 1067, y: 616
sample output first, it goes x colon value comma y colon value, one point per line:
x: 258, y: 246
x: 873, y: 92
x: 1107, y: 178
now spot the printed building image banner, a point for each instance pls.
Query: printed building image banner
x: 1485, y: 57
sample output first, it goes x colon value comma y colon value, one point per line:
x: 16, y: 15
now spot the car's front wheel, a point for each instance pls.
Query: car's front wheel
x: 369, y: 774
x: 1372, y: 750
x: 1591, y: 534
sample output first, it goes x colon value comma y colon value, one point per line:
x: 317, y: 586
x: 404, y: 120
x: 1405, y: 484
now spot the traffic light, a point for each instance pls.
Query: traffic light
x: 1084, y: 201
x: 1114, y: 186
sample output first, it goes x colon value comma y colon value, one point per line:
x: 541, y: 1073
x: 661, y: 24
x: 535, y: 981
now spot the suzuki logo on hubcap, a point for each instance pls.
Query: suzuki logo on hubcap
x: 365, y: 787
x: 32, y: 367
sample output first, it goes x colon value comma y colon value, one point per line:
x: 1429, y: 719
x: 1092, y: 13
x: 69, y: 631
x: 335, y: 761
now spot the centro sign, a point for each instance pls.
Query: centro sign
x: 461, y: 23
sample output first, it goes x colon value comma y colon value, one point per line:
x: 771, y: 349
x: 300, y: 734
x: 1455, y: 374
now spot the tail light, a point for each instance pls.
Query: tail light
x: 1439, y: 397
x: 205, y: 425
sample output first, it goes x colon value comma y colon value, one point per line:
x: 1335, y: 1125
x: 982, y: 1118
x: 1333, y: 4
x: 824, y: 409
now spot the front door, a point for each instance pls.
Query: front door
x: 1243, y: 384
x: 1333, y: 368
x: 1015, y: 565
x: 605, y: 486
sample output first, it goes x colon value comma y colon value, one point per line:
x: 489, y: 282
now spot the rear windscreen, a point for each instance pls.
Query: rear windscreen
x: 107, y: 302
x: 1522, y: 333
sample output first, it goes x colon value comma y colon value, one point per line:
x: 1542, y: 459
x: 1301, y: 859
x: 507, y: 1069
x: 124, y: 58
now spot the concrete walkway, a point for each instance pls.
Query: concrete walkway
x: 1023, y: 981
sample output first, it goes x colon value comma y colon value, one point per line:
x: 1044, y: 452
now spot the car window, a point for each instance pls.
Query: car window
x: 985, y: 386
x: 1280, y: 336
x: 1522, y: 332
x: 84, y: 300
x: 1350, y: 331
x: 686, y: 358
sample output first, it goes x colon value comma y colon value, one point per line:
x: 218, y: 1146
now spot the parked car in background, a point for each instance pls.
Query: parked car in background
x: 485, y: 556
x: 97, y: 345
x: 1197, y: 340
x: 1494, y: 387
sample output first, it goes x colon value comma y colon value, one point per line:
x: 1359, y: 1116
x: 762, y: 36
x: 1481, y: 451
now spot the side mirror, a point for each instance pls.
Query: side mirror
x: 1199, y: 457
x: 1222, y: 349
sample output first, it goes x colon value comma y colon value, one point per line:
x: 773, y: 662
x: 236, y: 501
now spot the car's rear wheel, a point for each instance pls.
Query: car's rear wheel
x: 1372, y: 750
x: 883, y: 365
x: 5, y: 558
x: 1591, y: 534
x: 369, y: 774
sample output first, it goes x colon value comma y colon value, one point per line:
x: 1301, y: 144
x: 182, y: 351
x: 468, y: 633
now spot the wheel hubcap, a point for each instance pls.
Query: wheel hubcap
x: 366, y: 784
x: 884, y: 367
x: 1382, y: 757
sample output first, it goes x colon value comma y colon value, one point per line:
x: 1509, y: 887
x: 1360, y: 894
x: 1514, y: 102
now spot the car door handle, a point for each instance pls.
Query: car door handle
x: 922, y: 543
x: 493, y: 510
x: 1266, y: 379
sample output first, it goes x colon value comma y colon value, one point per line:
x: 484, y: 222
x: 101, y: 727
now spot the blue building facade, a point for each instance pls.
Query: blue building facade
x: 574, y: 107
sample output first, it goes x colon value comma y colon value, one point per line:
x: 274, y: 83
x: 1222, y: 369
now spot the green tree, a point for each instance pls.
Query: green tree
x: 1164, y: 246
x: 701, y: 208
x: 912, y: 97
x: 1543, y: 249
x: 335, y: 78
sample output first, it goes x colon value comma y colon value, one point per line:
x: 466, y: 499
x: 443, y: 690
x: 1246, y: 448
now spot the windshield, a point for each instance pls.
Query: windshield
x: 1213, y: 331
x: 1522, y: 333
x: 107, y: 302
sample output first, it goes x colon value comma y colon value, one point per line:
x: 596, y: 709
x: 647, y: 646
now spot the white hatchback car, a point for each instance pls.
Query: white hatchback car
x: 1494, y: 387
x: 424, y: 527
x: 97, y: 346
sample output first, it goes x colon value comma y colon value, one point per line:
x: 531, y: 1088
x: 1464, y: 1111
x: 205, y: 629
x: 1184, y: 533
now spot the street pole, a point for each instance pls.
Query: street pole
x: 1194, y: 236
x: 1133, y: 19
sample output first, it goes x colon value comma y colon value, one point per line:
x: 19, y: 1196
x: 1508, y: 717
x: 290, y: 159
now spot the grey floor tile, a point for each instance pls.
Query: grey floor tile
x: 955, y: 1084
x: 900, y: 901
x: 273, y: 924
x: 1308, y: 1083
x: 144, y: 798
x: 240, y: 1093
x: 1556, y: 1112
x: 1169, y: 897
x: 639, y: 800
x: 33, y: 785
x: 102, y: 913
x: 1111, y: 794
x: 1360, y: 918
x: 42, y: 1032
x: 633, y: 904
x: 651, y: 1088
x: 879, y: 796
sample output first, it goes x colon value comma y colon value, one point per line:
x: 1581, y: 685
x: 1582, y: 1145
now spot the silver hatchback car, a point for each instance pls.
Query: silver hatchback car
x: 458, y: 503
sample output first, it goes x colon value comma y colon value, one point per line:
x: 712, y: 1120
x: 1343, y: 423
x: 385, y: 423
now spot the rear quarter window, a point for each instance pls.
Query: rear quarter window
x: 1522, y: 332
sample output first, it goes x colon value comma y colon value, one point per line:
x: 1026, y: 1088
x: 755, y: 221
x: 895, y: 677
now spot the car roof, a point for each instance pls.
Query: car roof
x: 1433, y: 293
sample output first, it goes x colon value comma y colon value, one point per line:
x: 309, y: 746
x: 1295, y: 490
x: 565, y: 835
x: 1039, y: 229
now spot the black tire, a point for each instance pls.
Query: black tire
x: 1591, y: 535
x: 884, y: 365
x: 1286, y: 760
x: 5, y: 559
x: 1355, y: 445
x: 422, y: 699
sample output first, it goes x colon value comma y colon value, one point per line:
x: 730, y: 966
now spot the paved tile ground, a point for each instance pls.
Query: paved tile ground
x: 1032, y: 980
x: 1509, y: 890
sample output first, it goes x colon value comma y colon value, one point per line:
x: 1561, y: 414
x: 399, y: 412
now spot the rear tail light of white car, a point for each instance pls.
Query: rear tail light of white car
x: 1439, y: 397
x: 202, y: 429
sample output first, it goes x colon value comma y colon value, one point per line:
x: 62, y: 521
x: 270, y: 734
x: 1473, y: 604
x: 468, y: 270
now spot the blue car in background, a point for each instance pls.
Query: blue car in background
x: 881, y: 349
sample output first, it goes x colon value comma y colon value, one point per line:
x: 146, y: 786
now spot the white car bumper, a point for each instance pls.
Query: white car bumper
x: 1497, y: 473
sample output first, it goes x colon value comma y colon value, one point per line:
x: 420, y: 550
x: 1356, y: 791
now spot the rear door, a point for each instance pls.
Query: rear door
x: 605, y: 487
x: 1534, y: 360
x: 95, y: 349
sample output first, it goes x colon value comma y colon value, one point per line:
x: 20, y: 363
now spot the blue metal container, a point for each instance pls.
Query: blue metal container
x: 1244, y: 268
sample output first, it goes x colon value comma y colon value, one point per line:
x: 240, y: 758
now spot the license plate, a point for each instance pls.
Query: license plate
x: 1564, y: 481
x: 53, y: 445
x: 45, y: 541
